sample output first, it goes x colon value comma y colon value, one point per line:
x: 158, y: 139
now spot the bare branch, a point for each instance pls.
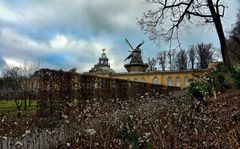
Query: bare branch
x: 157, y: 22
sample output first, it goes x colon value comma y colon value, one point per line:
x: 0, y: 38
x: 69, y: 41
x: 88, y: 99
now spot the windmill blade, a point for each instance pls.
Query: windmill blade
x: 128, y: 57
x: 140, y: 44
x: 128, y: 44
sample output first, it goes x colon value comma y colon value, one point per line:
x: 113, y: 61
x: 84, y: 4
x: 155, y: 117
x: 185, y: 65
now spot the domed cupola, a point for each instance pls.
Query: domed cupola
x: 102, y: 67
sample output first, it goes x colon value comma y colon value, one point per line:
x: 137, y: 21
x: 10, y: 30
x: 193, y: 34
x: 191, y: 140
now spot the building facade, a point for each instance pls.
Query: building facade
x: 137, y: 72
x: 168, y: 78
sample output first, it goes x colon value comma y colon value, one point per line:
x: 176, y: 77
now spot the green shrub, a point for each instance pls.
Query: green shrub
x: 199, y: 88
x: 221, y: 78
x: 218, y: 79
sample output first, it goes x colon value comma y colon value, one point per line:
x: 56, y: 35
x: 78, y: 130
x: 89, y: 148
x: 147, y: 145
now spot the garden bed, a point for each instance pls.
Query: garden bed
x: 163, y: 121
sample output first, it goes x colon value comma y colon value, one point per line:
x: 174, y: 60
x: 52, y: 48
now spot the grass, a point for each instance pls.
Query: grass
x: 9, y: 107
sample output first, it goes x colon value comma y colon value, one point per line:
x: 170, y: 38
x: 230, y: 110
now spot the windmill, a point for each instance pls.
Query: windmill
x: 136, y: 64
x: 135, y: 53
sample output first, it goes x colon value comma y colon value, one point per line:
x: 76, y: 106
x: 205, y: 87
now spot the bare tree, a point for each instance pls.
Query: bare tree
x: 192, y: 56
x: 13, y: 75
x: 21, y: 87
x: 152, y: 63
x: 204, y: 54
x: 233, y: 43
x: 181, y: 11
x: 181, y: 60
x: 162, y: 59
x: 27, y: 70
x: 235, y: 32
x: 171, y: 58
x: 233, y: 50
x: 6, y: 88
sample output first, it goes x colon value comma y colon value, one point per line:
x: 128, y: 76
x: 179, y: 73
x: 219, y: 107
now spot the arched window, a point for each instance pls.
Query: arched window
x: 142, y: 80
x: 155, y: 80
x: 135, y: 79
x: 169, y: 81
x: 178, y: 82
x: 96, y: 85
x: 186, y: 81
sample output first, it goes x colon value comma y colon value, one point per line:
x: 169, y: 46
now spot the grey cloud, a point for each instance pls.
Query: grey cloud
x: 2, y: 64
x: 92, y: 16
x: 113, y: 16
x: 40, y: 21
x: 77, y: 53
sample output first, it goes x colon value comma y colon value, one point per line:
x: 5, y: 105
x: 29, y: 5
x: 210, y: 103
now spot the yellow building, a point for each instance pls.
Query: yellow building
x: 167, y: 78
x: 179, y: 78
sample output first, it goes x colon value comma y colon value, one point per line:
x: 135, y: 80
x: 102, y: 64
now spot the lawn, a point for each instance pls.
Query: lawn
x: 9, y: 107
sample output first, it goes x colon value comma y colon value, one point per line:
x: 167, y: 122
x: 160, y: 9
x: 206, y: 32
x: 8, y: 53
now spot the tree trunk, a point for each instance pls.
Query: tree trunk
x: 214, y: 94
x: 30, y: 100
x: 25, y: 103
x: 25, y: 100
x: 220, y: 32
x: 19, y: 111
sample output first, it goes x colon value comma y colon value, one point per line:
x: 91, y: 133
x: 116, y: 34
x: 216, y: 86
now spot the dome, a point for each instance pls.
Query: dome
x: 102, y: 66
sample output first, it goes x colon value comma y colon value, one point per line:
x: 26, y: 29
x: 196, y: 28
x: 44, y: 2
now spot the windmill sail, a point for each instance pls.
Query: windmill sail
x: 128, y: 57
x: 140, y: 45
x: 128, y: 44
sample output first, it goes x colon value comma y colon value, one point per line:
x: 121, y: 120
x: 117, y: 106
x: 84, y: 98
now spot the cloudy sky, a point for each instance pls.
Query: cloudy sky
x: 64, y: 34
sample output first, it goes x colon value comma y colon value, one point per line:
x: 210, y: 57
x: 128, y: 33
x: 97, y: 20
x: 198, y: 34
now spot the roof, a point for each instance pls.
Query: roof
x: 101, y: 69
x: 160, y: 72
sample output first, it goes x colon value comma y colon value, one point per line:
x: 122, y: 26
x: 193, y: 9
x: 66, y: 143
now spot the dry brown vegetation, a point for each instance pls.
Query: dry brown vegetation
x: 160, y: 121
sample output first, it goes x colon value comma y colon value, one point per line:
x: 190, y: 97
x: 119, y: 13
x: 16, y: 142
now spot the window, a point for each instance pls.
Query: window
x: 96, y: 85
x: 155, y: 80
x: 142, y: 80
x: 178, y: 82
x: 169, y: 81
x: 185, y: 81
